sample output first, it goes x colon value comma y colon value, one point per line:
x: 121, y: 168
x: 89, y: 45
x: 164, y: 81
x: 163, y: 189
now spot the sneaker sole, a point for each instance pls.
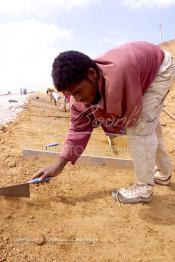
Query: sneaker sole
x: 162, y: 182
x: 123, y: 200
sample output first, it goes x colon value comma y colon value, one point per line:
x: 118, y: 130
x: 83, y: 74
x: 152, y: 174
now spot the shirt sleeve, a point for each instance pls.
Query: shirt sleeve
x: 79, y: 133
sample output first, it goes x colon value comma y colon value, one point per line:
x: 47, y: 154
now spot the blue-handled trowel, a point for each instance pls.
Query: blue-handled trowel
x: 21, y: 190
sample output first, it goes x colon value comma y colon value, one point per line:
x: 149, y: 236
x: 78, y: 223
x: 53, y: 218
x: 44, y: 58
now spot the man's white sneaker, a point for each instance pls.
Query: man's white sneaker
x: 134, y: 194
x: 160, y: 179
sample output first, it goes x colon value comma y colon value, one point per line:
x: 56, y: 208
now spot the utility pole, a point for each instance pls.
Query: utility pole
x: 161, y: 32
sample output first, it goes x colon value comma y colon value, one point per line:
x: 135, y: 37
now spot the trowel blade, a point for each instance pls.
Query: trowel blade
x: 21, y: 190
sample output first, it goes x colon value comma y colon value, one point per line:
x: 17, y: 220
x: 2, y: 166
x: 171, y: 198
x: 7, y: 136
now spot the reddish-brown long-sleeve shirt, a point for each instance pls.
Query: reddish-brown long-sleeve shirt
x: 125, y: 74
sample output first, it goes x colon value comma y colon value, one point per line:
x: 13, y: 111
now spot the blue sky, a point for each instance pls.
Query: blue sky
x: 33, y: 32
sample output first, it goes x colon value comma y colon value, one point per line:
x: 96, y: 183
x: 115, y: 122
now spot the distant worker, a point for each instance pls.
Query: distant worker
x: 66, y: 101
x: 24, y: 91
x: 53, y: 98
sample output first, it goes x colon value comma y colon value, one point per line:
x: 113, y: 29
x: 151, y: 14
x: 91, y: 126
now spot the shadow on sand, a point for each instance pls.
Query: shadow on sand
x: 161, y: 211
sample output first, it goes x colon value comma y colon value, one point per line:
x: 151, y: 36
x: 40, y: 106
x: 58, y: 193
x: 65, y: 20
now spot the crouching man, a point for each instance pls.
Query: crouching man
x: 124, y: 88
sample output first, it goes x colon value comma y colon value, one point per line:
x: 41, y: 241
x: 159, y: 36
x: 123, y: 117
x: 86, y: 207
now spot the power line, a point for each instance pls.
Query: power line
x: 168, y: 23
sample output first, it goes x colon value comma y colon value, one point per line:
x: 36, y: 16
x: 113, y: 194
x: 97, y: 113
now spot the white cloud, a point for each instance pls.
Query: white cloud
x: 27, y: 48
x: 77, y: 3
x: 112, y: 42
x: 135, y: 4
x: 39, y: 7
x: 27, y: 51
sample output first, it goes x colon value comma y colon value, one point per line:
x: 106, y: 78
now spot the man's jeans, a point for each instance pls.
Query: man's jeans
x: 145, y: 138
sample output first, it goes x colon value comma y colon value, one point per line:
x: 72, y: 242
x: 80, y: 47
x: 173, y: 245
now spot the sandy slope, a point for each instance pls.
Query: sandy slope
x: 74, y: 217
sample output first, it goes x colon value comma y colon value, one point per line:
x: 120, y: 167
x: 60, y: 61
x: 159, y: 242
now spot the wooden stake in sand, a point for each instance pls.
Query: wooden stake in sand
x: 169, y: 114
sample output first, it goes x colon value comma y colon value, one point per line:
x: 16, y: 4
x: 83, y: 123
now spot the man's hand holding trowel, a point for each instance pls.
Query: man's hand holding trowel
x: 52, y: 170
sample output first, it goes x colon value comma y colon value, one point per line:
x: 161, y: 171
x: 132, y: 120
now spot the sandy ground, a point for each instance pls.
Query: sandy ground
x: 74, y: 218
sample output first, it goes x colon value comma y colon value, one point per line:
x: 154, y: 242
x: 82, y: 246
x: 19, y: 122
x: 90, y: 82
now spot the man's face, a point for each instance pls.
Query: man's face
x: 84, y: 91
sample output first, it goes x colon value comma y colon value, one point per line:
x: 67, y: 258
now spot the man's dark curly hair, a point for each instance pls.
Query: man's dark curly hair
x: 70, y: 67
